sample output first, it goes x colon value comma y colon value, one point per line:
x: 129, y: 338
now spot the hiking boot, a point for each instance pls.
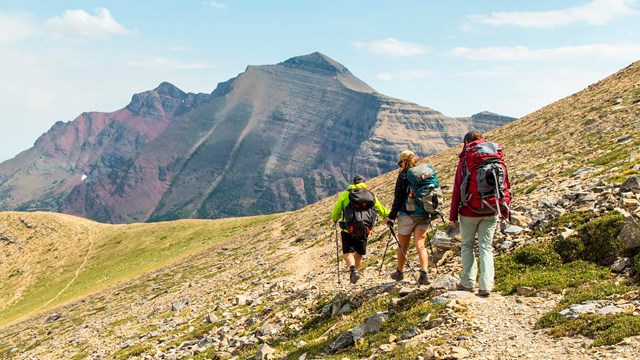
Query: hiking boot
x: 424, y: 278
x: 484, y: 293
x: 397, y: 275
x: 461, y: 287
x: 353, y: 278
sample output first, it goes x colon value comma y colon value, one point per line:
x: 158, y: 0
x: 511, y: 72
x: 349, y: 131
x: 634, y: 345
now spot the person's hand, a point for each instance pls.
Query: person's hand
x: 453, y: 224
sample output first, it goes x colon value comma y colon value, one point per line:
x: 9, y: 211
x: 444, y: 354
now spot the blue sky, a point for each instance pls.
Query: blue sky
x: 61, y: 58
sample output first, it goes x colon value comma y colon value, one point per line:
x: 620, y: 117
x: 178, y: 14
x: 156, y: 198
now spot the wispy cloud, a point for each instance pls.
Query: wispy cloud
x: 392, y: 47
x: 597, y: 12
x: 630, y: 52
x: 169, y: 64
x: 402, y: 75
x: 79, y: 23
x: 215, y: 4
x: 16, y: 26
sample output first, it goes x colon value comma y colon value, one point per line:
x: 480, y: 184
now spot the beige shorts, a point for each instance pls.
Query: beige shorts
x: 406, y: 225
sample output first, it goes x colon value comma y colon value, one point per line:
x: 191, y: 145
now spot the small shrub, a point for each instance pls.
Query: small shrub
x: 600, y: 237
x: 569, y: 249
x: 510, y: 275
x: 604, y: 330
x: 537, y: 255
x: 635, y: 261
x: 570, y: 220
x: 531, y: 187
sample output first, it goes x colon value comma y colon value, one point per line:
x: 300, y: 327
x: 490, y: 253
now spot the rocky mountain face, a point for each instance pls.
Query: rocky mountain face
x: 275, y: 138
x: 578, y: 154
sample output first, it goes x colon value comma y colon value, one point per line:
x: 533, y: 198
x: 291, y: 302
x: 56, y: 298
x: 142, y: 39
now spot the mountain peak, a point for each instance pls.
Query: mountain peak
x: 316, y: 61
x: 168, y: 89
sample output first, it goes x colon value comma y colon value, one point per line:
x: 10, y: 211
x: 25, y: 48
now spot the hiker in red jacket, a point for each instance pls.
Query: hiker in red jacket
x: 473, y: 214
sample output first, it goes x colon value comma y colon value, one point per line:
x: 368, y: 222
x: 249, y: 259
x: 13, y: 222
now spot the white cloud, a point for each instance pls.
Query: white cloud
x: 169, y: 64
x: 16, y: 26
x: 392, y: 47
x: 597, y: 12
x: 215, y: 4
x: 79, y: 23
x: 630, y: 52
x: 403, y: 75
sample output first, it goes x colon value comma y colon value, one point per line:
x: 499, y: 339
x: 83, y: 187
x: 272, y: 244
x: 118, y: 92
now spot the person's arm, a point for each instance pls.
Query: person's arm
x: 383, y: 212
x: 399, y: 197
x: 455, y: 196
x: 338, y: 207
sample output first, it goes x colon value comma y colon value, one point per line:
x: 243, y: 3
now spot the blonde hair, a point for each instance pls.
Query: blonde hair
x: 409, y: 163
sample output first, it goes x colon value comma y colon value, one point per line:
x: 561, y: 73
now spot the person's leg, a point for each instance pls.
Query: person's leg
x: 357, y: 260
x: 360, y: 247
x: 405, y: 229
x: 348, y: 249
x: 419, y: 239
x: 486, y: 229
x: 349, y: 258
x: 402, y: 250
x: 468, y: 227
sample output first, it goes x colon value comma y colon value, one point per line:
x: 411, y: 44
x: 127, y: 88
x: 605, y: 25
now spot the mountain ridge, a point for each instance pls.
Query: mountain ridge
x: 306, y: 125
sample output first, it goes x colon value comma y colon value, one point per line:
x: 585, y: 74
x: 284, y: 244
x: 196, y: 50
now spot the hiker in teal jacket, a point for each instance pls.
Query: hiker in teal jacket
x: 354, y: 247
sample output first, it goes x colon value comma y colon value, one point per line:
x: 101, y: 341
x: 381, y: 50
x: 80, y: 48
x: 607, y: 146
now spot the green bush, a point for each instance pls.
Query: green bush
x: 600, y: 238
x: 569, y: 249
x: 570, y: 220
x: 636, y: 263
x: 537, y: 255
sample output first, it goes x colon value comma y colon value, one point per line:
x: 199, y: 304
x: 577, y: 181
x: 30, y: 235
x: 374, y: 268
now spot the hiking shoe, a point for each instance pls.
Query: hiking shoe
x: 461, y: 287
x: 353, y: 278
x: 397, y: 275
x: 484, y: 293
x: 424, y: 278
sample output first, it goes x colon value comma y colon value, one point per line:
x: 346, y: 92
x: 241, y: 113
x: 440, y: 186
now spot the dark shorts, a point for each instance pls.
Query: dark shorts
x: 351, y: 244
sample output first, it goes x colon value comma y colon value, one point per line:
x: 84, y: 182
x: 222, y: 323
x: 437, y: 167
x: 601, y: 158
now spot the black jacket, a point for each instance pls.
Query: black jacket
x: 399, y: 195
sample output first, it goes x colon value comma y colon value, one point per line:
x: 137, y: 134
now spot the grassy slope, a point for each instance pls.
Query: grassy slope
x: 580, y: 130
x: 56, y: 246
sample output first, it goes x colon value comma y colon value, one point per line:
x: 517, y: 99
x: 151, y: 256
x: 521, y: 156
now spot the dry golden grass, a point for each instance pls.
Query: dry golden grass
x: 57, y: 258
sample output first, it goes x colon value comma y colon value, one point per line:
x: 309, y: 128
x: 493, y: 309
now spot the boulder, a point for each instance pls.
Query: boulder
x: 620, y: 264
x: 177, y: 306
x: 447, y: 282
x: 631, y: 184
x: 265, y: 352
x: 630, y: 233
x: 442, y: 241
x: 372, y: 324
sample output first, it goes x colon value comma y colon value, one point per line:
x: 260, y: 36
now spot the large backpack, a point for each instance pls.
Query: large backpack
x: 425, y: 194
x: 485, y: 184
x: 360, y: 215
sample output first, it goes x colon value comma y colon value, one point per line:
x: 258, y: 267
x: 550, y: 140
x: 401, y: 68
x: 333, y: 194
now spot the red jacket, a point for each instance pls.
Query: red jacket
x: 456, y: 208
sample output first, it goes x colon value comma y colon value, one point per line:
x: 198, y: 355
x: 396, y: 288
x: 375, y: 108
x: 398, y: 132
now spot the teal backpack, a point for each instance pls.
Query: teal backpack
x: 425, y: 194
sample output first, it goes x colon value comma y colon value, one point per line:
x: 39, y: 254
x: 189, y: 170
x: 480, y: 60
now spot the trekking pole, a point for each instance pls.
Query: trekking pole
x: 406, y: 261
x: 385, y: 252
x: 430, y: 246
x: 337, y: 254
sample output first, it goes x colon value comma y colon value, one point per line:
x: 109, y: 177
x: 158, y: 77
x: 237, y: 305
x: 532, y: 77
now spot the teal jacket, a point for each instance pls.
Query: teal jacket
x: 343, y: 201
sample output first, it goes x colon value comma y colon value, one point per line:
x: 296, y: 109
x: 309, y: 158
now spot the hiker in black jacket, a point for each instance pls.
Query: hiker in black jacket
x: 408, y: 225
